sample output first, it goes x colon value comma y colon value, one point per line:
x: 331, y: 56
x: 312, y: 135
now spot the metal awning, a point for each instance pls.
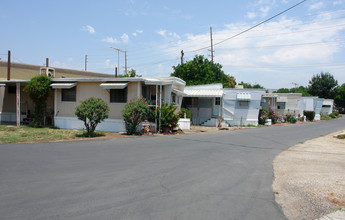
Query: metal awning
x: 178, y: 92
x: 282, y: 99
x: 114, y: 85
x: 153, y: 81
x: 62, y: 85
x: 243, y: 96
x: 203, y: 93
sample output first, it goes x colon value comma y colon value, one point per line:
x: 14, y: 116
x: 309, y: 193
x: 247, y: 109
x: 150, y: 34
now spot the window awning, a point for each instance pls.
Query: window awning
x: 207, y: 93
x: 114, y: 85
x: 62, y: 85
x: 244, y: 96
x: 178, y: 92
x: 282, y: 99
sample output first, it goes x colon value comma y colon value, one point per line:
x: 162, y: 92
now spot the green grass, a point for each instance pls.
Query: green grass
x: 341, y: 136
x: 12, y: 134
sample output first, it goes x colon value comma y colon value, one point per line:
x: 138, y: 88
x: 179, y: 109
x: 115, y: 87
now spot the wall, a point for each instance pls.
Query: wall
x: 8, y: 105
x: 237, y: 115
x: 85, y: 90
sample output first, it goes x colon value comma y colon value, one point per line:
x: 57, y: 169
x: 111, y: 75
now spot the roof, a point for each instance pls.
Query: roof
x: 20, y: 71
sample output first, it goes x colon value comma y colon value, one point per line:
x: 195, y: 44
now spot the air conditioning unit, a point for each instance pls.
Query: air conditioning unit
x: 48, y: 71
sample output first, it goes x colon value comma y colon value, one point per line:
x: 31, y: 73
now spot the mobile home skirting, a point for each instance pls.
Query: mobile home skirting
x: 112, y: 125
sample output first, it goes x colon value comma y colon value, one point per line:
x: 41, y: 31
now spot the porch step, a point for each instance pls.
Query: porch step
x: 212, y: 122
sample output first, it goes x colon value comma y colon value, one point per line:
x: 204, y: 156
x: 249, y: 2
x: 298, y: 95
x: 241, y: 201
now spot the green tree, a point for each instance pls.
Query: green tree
x: 134, y: 113
x: 323, y: 85
x: 201, y: 71
x: 301, y: 89
x: 340, y: 98
x: 251, y: 86
x: 132, y: 73
x: 92, y: 111
x: 39, y: 89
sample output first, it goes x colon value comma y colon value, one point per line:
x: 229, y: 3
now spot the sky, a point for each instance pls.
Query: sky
x: 281, y: 53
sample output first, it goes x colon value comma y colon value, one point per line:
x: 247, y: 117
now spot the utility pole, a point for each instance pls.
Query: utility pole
x: 9, y: 66
x: 85, y: 63
x: 125, y: 62
x: 211, y: 45
x: 118, y: 58
x: 182, y: 54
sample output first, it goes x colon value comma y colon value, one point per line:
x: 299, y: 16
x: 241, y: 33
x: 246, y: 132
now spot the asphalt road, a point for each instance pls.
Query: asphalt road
x: 222, y: 175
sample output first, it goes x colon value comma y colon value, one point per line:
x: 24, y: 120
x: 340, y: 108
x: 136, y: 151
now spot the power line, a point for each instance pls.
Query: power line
x: 253, y: 26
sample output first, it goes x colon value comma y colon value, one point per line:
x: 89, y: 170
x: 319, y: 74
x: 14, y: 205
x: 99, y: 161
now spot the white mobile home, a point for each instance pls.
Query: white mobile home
x: 241, y: 106
x: 327, y: 106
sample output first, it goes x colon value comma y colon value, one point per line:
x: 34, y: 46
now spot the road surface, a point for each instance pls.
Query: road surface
x: 221, y: 175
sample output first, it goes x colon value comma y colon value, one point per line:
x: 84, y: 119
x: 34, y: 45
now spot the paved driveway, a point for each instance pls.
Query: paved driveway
x: 223, y: 175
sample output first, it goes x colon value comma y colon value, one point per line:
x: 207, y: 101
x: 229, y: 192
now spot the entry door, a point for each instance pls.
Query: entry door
x: 216, y: 106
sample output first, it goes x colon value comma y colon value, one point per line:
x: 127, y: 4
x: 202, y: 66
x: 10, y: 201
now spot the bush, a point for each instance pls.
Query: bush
x: 291, y: 119
x: 92, y: 111
x: 38, y: 89
x: 187, y: 111
x: 273, y: 116
x: 310, y: 115
x: 168, y: 117
x: 334, y: 115
x: 134, y: 113
x: 263, y: 116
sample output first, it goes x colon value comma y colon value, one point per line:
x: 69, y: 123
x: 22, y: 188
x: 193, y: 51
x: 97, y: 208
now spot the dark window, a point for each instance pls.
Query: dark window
x: 118, y: 95
x: 243, y: 103
x: 217, y: 101
x: 12, y: 89
x: 281, y: 105
x: 68, y: 95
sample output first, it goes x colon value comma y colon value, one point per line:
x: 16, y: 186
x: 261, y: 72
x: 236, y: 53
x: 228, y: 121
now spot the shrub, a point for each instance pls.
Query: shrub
x: 333, y: 115
x: 273, y: 116
x: 325, y: 117
x: 263, y: 116
x: 310, y: 115
x: 291, y: 119
x: 92, y: 111
x: 168, y: 118
x: 134, y: 113
x: 187, y: 111
x: 38, y: 89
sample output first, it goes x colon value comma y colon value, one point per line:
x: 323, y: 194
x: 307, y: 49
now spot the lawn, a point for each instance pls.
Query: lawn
x: 12, y: 134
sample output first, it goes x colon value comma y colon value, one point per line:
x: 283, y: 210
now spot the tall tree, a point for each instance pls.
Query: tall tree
x: 301, y: 89
x: 201, y: 71
x: 340, y: 98
x: 251, y: 86
x: 323, y: 85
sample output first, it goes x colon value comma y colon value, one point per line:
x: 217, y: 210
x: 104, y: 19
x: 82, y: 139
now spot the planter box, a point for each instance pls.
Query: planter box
x: 268, y: 122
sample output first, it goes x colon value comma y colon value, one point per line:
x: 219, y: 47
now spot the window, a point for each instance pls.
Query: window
x: 281, y: 105
x: 68, y: 95
x: 12, y: 89
x: 118, y: 95
x: 243, y: 103
x: 217, y: 101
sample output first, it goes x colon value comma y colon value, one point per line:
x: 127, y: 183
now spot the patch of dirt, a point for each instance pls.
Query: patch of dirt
x: 310, y: 178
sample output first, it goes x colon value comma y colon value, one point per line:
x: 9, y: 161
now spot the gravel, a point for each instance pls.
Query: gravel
x: 310, y: 179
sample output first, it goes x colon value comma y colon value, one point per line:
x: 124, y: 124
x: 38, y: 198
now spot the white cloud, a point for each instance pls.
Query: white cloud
x: 270, y: 54
x: 264, y: 11
x: 251, y: 15
x: 111, y: 40
x: 137, y: 32
x: 125, y: 38
x: 161, y: 32
x: 339, y: 2
x: 89, y: 29
x: 316, y: 6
